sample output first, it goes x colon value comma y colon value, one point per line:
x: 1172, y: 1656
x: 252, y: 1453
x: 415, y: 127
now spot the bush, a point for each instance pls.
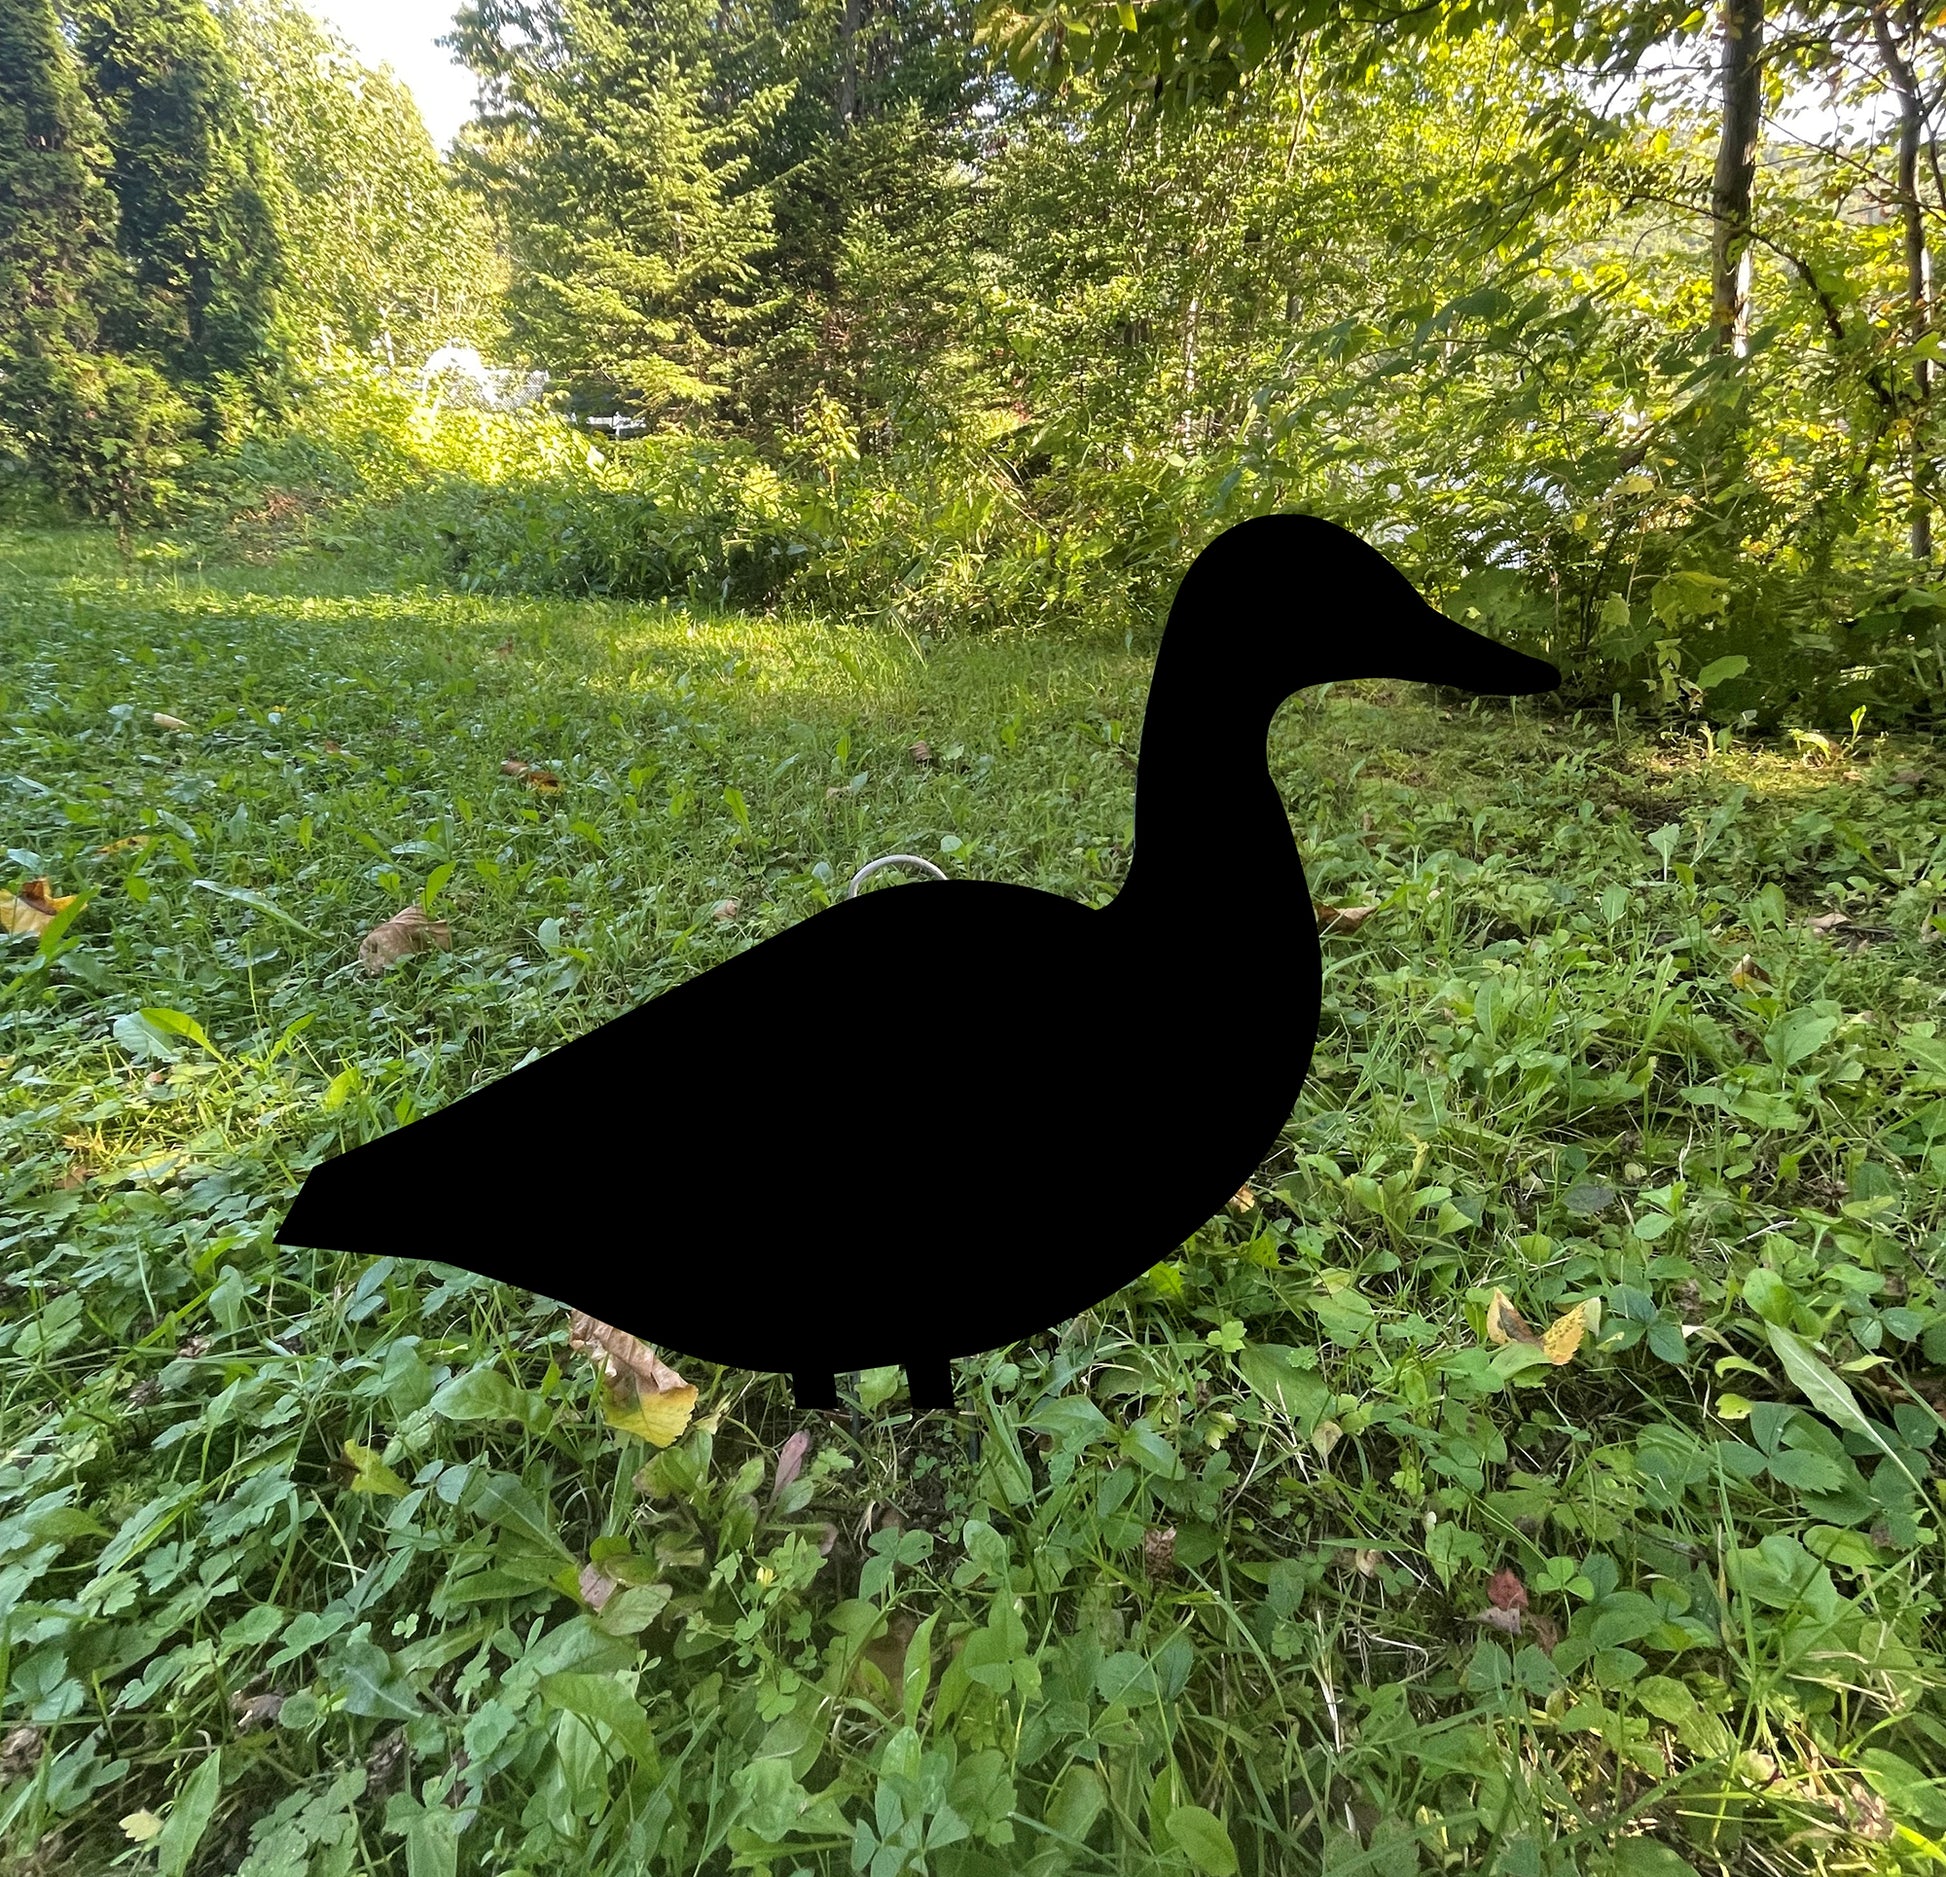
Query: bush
x: 107, y: 436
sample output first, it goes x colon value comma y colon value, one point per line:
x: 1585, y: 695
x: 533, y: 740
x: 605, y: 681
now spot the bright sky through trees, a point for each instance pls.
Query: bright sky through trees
x: 402, y: 34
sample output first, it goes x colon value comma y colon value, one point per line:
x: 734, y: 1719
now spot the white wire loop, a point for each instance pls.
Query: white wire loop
x: 859, y: 878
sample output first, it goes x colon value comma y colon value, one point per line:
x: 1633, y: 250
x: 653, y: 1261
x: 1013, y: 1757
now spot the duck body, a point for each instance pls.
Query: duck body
x: 939, y: 1118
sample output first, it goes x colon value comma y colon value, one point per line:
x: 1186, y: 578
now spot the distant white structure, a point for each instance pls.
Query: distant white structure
x: 456, y: 375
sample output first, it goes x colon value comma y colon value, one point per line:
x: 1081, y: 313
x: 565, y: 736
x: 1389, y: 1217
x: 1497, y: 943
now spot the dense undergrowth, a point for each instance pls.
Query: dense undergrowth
x: 300, y: 1555
x: 941, y: 538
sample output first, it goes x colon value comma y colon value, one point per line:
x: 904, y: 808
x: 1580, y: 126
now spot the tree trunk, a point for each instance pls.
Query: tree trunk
x: 849, y: 23
x: 1741, y: 74
x: 1918, y: 260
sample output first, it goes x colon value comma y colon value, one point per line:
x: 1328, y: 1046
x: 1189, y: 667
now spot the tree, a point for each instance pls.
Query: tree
x: 621, y: 177
x: 56, y: 219
x: 395, y: 259
x: 1741, y: 89
x: 190, y: 174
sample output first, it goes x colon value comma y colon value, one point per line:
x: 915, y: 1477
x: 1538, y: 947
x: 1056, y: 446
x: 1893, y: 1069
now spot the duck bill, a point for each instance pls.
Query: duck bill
x: 1445, y: 652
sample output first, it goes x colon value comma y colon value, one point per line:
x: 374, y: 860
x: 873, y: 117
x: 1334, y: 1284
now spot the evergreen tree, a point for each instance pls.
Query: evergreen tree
x: 190, y: 173
x: 394, y: 258
x: 621, y: 175
x: 56, y: 219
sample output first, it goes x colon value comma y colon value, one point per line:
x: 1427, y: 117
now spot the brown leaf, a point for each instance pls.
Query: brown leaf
x: 411, y: 930
x: 544, y: 780
x: 1746, y: 972
x: 921, y: 753
x: 641, y: 1394
x: 1341, y: 919
x: 1826, y: 923
x: 1507, y: 1622
x: 37, y: 907
x: 1505, y: 1591
x: 382, y: 1764
x: 1505, y: 1324
x: 20, y: 1752
x: 254, y: 1711
x: 1159, y: 1553
x: 790, y: 1461
x: 163, y: 721
x: 1243, y: 1200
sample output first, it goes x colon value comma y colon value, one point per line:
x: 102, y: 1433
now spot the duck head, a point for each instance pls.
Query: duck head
x: 1303, y: 601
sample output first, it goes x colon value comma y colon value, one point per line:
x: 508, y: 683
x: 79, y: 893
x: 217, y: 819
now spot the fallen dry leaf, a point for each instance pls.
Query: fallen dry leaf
x: 163, y: 721
x: 1341, y: 918
x: 1243, y: 1200
x: 545, y: 780
x: 20, y: 1752
x: 640, y: 1393
x: 34, y: 911
x: 1826, y: 923
x: 1505, y: 1324
x: 382, y: 1764
x: 254, y: 1711
x: 921, y: 753
x: 790, y: 1461
x: 1564, y: 1334
x: 1746, y: 972
x: 1505, y: 1591
x: 1507, y: 1622
x: 411, y: 930
x: 596, y: 1586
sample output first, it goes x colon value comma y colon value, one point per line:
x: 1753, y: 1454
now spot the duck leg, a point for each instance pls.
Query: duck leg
x: 930, y: 1379
x: 814, y: 1391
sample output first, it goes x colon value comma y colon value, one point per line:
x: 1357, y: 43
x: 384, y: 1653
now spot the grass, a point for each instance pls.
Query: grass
x: 300, y: 1555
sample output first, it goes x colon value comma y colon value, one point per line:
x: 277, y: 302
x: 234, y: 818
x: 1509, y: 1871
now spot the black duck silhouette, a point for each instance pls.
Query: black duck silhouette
x: 689, y: 1173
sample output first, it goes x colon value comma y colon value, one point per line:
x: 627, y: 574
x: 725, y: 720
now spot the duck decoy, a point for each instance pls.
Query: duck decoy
x: 694, y: 1172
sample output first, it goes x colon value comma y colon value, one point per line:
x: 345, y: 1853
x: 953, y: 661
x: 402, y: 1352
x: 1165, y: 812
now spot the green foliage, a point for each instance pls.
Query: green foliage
x: 189, y: 171
x: 1207, y: 1596
x: 108, y: 436
x: 633, y: 222
x: 56, y: 220
x: 395, y: 261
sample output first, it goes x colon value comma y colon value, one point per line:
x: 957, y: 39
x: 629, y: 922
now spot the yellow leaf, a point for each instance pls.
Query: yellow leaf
x: 1505, y: 1324
x: 34, y: 911
x: 370, y: 1474
x: 640, y: 1393
x: 1564, y: 1334
x: 661, y: 1418
x: 141, y: 1826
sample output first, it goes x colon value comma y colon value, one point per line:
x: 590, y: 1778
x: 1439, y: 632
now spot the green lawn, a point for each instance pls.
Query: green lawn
x: 300, y: 1555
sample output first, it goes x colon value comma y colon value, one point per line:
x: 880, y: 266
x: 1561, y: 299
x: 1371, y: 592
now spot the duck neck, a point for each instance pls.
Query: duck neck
x: 1209, y: 822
